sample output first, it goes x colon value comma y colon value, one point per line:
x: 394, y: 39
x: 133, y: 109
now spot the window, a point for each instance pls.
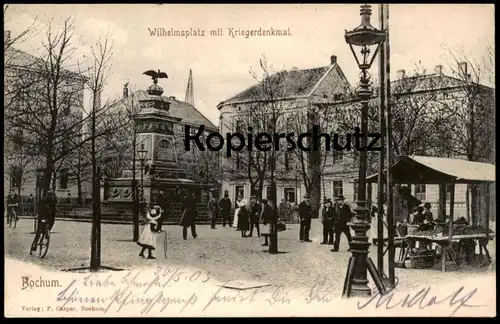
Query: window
x: 420, y: 192
x: 239, y: 191
x: 18, y: 140
x: 449, y: 188
x: 289, y: 195
x: 193, y: 130
x: 337, y: 156
x: 338, y: 188
x: 63, y: 179
x: 356, y: 190
x: 269, y: 193
x: 239, y: 126
x: 288, y: 161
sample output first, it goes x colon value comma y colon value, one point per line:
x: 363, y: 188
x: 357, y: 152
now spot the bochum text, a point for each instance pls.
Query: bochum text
x: 236, y: 142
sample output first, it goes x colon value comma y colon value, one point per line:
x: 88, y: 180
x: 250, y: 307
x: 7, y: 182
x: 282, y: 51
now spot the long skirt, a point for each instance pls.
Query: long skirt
x: 235, y: 219
x: 147, y: 239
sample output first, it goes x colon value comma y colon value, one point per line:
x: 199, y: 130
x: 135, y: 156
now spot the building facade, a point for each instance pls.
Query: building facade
x: 430, y: 93
x: 25, y: 77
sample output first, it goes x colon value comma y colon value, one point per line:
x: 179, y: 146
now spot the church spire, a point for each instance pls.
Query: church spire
x: 189, y: 90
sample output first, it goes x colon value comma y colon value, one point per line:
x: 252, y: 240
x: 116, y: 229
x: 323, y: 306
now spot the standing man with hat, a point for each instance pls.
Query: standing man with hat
x: 305, y: 215
x: 225, y: 209
x: 343, y: 215
x: 255, y: 212
x: 327, y: 218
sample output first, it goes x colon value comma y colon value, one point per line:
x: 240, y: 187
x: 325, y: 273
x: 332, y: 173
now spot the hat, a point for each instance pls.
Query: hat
x: 340, y: 197
x: 328, y: 200
x: 306, y: 196
x: 153, y: 214
x: 242, y: 203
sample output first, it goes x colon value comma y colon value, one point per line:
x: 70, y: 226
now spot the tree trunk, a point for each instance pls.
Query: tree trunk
x: 474, y: 204
x: 467, y: 203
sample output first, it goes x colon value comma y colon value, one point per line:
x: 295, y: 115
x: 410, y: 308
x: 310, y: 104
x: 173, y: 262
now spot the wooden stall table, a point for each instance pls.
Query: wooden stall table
x: 447, y: 246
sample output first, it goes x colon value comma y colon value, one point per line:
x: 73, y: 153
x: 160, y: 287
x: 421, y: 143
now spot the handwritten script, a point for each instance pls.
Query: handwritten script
x: 422, y: 299
x: 176, y: 291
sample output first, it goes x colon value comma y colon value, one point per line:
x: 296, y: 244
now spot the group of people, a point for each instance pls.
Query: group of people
x: 334, y: 218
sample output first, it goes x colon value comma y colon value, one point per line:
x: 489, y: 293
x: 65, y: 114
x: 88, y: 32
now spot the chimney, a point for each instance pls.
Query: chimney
x: 462, y: 68
x: 401, y: 74
x: 438, y: 69
x: 333, y: 59
x: 6, y: 36
x: 125, y: 90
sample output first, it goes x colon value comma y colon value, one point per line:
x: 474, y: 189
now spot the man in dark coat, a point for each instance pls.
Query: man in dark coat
x: 305, y: 215
x: 44, y: 219
x: 342, y: 216
x: 213, y: 207
x: 327, y: 220
x: 163, y: 203
x: 30, y: 206
x: 255, y: 211
x: 189, y: 215
x: 225, y: 209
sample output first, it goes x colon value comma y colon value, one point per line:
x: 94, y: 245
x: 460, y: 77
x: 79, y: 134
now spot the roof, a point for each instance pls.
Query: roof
x: 434, y: 170
x: 298, y: 83
x: 19, y: 59
x: 180, y: 109
x: 428, y: 82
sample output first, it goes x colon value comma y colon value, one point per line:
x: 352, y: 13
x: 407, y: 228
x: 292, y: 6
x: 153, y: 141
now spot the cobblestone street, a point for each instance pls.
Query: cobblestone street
x: 221, y: 251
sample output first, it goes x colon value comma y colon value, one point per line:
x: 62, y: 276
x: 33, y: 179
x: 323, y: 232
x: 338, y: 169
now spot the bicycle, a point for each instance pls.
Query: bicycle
x: 13, y: 216
x: 44, y: 240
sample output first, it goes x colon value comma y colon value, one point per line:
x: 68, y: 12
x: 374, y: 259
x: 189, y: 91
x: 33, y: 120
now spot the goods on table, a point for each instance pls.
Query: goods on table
x: 442, y: 230
x: 422, y: 258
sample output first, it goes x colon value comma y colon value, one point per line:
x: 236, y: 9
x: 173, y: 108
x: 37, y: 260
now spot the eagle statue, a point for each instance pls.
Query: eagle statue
x: 156, y: 75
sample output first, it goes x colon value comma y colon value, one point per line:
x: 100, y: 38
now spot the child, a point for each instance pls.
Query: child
x: 147, y: 240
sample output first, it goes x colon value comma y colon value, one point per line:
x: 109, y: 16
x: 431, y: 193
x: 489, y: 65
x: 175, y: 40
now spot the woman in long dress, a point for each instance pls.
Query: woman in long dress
x: 243, y: 217
x: 147, y: 239
x: 236, y: 211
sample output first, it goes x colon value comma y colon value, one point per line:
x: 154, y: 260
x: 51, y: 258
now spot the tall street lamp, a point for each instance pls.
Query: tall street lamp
x: 366, y: 39
x: 142, y: 153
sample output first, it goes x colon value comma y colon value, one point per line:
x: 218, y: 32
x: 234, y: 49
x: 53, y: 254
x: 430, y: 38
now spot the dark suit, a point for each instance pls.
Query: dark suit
x: 189, y: 218
x: 213, y: 207
x: 342, y: 216
x: 255, y: 217
x: 305, y: 215
x: 327, y: 218
x: 225, y: 208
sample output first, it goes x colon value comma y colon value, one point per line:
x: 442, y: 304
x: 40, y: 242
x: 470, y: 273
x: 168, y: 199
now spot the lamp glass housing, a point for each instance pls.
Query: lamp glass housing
x: 142, y: 152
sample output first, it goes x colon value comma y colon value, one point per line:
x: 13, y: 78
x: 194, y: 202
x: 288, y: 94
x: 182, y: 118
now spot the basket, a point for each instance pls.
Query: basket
x: 423, y: 259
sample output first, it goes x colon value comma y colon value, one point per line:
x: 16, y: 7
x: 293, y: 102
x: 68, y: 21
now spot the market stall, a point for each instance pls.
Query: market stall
x: 444, y: 239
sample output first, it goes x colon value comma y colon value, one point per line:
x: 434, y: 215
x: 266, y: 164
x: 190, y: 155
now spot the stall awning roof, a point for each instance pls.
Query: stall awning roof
x: 432, y: 170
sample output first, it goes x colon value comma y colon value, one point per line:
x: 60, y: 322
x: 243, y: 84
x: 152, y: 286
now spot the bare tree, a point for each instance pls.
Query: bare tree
x: 470, y: 111
x: 267, y: 111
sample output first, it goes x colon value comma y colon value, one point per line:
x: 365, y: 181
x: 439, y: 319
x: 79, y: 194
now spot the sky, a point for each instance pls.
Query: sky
x: 221, y: 64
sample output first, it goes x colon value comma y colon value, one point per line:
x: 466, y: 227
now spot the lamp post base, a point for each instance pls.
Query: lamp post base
x: 356, y: 281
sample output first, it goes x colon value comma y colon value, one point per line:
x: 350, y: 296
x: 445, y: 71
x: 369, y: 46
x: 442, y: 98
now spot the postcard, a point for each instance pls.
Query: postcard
x: 249, y: 160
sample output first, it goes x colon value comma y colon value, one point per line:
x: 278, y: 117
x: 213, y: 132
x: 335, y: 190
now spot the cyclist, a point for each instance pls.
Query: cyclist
x: 46, y: 216
x: 12, y: 203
